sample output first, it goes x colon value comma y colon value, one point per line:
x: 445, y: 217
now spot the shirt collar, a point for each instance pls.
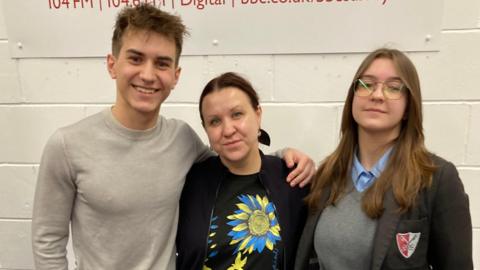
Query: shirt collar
x: 358, y: 169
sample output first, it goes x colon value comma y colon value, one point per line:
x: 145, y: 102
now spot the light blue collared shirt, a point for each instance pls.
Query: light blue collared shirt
x: 363, y: 179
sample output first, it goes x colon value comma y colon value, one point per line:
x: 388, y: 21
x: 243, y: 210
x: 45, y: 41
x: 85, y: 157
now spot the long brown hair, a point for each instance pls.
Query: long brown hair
x: 410, y: 167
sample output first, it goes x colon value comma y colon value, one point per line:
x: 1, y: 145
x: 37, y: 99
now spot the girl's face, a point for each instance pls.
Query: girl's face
x: 376, y: 114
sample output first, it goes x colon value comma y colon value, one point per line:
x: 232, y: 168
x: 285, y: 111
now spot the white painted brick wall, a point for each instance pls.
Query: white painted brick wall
x: 314, y: 78
x: 473, y: 143
x: 450, y: 74
x: 460, y: 15
x: 445, y: 133
x: 9, y: 80
x: 302, y: 126
x: 15, y: 248
x: 29, y: 126
x: 3, y: 30
x: 17, y: 188
x: 302, y: 98
x: 65, y: 81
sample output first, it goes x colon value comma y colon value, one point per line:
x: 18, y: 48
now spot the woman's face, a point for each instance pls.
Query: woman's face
x: 375, y: 114
x: 232, y: 125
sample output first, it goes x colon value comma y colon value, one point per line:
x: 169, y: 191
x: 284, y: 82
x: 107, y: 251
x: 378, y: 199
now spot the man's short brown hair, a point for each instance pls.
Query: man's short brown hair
x: 149, y: 18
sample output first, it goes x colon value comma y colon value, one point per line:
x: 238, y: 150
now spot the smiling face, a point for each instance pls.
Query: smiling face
x: 145, y: 73
x: 232, y: 126
x: 375, y: 114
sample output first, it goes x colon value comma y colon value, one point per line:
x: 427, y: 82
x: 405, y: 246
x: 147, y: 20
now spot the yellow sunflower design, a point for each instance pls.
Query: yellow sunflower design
x: 255, y: 225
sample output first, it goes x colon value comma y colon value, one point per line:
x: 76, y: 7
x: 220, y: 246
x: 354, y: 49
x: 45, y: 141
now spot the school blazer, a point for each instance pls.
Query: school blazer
x: 440, y: 221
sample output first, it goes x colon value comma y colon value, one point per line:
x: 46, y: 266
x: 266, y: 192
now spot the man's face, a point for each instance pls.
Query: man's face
x: 145, y: 73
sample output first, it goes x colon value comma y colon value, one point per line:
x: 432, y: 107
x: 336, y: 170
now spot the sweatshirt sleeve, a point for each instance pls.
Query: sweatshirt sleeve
x: 54, y: 197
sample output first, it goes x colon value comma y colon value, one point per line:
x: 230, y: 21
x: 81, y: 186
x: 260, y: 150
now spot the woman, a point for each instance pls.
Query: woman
x: 237, y: 211
x: 381, y: 200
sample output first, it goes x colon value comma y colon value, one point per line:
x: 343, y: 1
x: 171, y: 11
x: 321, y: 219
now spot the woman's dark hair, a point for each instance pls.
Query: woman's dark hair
x: 229, y: 79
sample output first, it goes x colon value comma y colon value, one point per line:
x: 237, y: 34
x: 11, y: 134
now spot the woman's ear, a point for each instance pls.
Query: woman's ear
x: 258, y: 112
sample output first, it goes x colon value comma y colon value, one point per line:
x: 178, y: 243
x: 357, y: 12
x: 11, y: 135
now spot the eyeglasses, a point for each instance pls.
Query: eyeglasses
x: 391, y: 89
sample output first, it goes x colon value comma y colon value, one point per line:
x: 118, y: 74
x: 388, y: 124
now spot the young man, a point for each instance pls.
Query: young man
x: 116, y: 176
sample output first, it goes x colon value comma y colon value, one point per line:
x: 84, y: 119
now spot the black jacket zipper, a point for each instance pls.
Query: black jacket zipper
x: 210, y: 221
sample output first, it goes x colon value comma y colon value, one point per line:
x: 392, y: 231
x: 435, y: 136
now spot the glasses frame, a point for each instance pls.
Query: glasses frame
x: 360, y: 83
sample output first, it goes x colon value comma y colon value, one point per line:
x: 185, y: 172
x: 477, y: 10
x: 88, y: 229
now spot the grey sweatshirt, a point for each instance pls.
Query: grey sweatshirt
x: 118, y: 188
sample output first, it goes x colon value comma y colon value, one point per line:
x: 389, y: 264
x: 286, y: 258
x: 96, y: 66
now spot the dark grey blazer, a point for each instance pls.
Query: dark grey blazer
x: 441, y: 215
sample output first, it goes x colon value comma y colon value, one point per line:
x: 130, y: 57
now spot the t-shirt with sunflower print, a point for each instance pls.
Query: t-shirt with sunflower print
x: 244, y: 229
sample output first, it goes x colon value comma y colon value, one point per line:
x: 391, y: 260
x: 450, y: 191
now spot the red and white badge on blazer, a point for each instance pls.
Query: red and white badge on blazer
x: 407, y: 243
